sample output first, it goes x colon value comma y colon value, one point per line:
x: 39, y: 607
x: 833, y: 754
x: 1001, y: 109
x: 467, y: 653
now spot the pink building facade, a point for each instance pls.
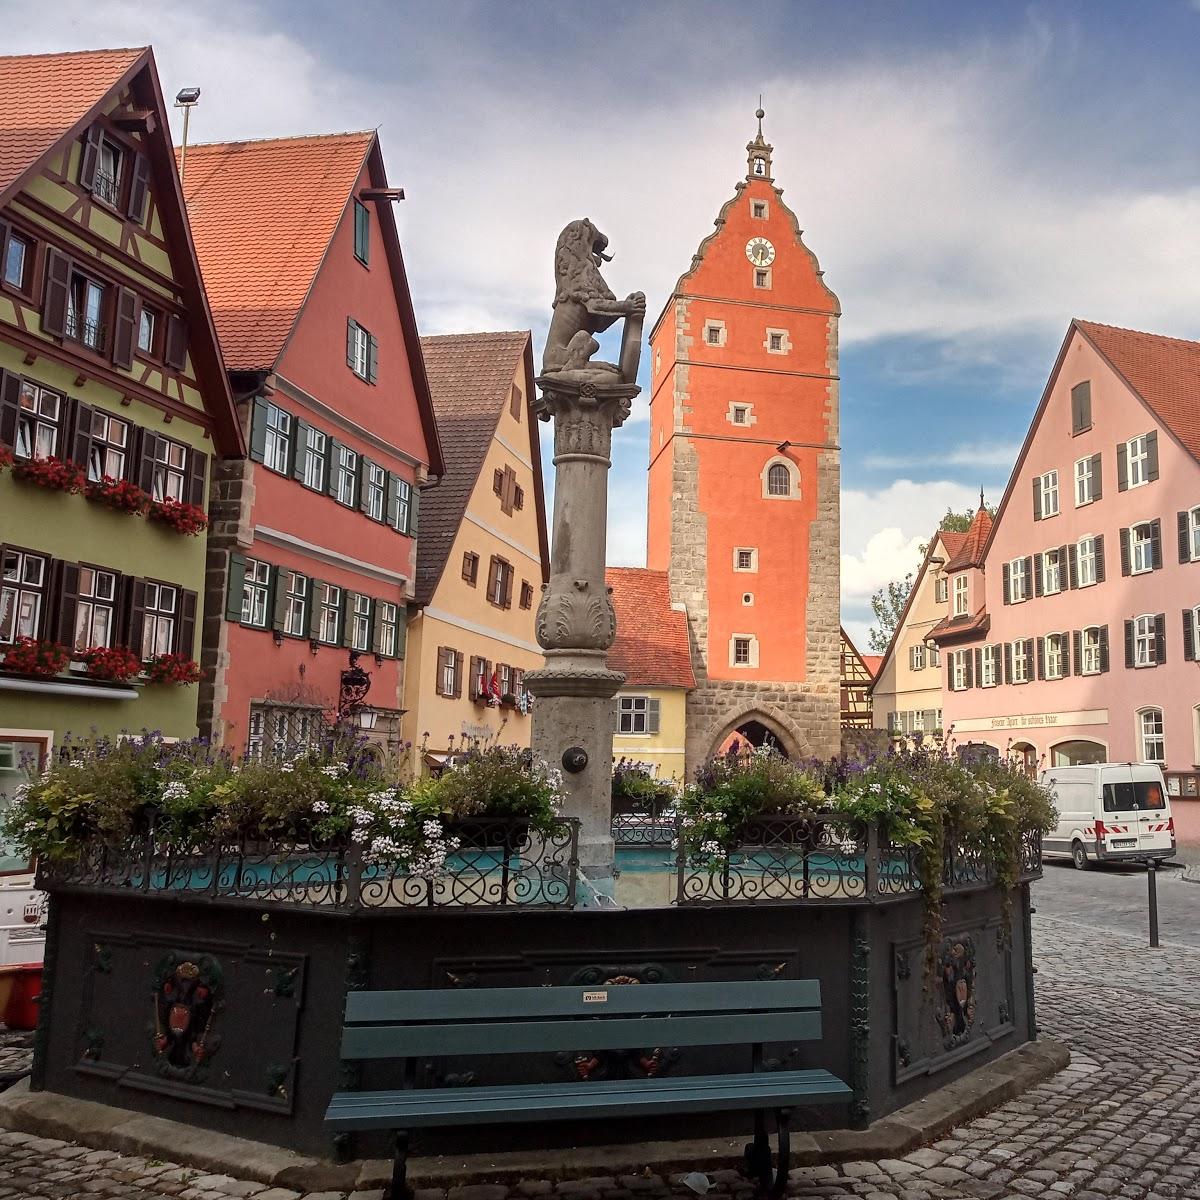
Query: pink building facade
x: 1076, y: 634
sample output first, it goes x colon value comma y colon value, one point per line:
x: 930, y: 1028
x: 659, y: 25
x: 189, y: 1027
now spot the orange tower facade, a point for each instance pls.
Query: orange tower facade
x: 744, y: 475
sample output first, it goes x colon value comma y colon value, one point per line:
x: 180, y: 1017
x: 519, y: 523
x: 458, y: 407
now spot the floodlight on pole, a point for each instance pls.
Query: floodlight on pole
x: 186, y: 98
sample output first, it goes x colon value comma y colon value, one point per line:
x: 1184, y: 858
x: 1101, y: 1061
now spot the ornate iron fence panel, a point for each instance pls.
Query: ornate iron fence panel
x: 820, y: 858
x: 496, y: 864
x: 812, y: 857
x: 643, y: 823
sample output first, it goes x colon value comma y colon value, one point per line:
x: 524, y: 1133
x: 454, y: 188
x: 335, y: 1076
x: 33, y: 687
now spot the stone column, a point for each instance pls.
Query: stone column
x: 576, y: 623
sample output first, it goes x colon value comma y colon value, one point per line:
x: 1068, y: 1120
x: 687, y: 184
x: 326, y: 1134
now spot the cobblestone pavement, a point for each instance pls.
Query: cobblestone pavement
x: 1123, y: 1121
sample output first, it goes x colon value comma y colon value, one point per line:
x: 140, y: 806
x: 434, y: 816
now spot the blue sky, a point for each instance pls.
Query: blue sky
x: 970, y: 175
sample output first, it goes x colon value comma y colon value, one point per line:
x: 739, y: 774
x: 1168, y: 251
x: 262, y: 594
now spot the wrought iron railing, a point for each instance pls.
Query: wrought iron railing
x: 644, y: 822
x: 90, y: 333
x: 824, y: 858
x: 497, y: 864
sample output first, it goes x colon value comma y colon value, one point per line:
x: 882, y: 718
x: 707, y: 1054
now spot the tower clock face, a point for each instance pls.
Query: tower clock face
x: 760, y: 252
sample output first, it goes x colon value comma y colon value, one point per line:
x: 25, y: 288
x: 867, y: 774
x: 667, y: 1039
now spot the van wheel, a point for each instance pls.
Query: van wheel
x: 1079, y: 856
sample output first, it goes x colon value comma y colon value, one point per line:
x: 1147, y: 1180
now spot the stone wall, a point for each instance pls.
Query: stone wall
x: 231, y: 501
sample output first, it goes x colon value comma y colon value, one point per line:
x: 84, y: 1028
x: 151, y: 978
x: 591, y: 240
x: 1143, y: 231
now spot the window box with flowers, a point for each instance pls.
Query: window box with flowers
x: 53, y: 474
x: 117, y: 664
x: 176, y: 669
x: 118, y: 494
x: 36, y: 656
x: 188, y: 519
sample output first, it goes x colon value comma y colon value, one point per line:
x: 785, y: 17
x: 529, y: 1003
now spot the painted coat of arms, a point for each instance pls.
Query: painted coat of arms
x: 187, y: 997
x: 955, y: 1000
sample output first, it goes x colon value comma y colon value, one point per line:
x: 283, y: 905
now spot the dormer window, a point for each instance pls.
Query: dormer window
x: 960, y: 595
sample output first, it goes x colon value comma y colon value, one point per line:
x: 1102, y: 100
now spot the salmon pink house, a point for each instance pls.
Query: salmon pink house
x: 312, y: 557
x: 1074, y: 634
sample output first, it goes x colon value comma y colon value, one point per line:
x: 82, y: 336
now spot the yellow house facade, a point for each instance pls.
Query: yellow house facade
x: 482, y: 553
x: 651, y: 649
x: 906, y: 695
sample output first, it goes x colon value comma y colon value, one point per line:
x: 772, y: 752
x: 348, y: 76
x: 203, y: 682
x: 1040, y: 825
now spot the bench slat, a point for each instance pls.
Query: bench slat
x: 449, y: 1004
x: 525, y: 1102
x: 618, y: 1033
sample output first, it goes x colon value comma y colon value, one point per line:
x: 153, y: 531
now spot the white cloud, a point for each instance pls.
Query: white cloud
x: 991, y: 454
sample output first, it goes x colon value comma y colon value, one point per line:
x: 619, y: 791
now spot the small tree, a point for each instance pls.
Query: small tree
x: 887, y: 604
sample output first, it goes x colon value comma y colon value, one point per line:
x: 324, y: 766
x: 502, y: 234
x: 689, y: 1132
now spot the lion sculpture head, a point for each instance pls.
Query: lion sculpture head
x: 577, y: 259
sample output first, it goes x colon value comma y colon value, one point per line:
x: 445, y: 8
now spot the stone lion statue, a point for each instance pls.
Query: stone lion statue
x: 584, y: 305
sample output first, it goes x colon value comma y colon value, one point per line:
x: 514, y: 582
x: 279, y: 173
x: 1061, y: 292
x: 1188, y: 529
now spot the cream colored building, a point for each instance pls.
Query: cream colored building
x: 906, y: 695
x: 652, y: 652
x: 482, y: 553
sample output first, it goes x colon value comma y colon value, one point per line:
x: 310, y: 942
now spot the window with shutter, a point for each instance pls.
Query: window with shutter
x: 175, y: 354
x: 186, y: 640
x: 1097, y: 478
x: 89, y: 159
x: 1189, y: 634
x: 139, y: 188
x: 362, y: 233
x: 1122, y: 466
x: 372, y: 358
x: 1007, y: 583
x: 653, y: 714
x: 1103, y: 648
x: 56, y: 293
x: 414, y: 512
x: 125, y: 328
x: 514, y: 403
x: 1081, y: 407
x: 237, y: 586
x: 258, y: 429
x: 1160, y: 639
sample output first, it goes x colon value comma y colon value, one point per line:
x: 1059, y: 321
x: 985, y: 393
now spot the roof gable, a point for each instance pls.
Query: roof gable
x: 951, y: 543
x: 470, y: 377
x: 261, y: 237
x: 652, y: 648
x: 971, y: 548
x: 1162, y: 372
x: 48, y: 100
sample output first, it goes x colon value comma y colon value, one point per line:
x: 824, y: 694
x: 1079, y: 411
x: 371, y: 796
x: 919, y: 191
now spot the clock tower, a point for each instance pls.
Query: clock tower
x: 744, y: 476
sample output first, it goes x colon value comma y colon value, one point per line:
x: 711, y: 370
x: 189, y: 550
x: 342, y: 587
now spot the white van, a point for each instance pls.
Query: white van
x: 1108, y: 812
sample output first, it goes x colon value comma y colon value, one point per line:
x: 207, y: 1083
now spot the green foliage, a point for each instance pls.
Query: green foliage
x: 113, y: 790
x: 888, y: 604
x: 731, y: 790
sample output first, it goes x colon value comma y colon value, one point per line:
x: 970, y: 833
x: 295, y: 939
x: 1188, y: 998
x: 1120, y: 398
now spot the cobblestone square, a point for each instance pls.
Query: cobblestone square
x: 1121, y: 1121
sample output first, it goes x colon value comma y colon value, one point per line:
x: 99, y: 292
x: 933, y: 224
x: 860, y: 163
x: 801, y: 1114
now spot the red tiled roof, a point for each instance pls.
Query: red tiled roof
x: 1163, y: 371
x: 470, y: 377
x: 970, y: 550
x: 44, y: 96
x: 952, y: 541
x: 262, y: 215
x: 952, y: 629
x: 872, y: 662
x: 652, y: 647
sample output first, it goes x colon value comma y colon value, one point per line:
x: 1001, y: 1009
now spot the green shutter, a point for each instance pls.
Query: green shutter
x: 258, y: 430
x: 362, y: 233
x: 392, y: 511
x: 351, y: 326
x: 364, y: 476
x: 333, y: 472
x: 279, y: 578
x: 414, y: 505
x: 401, y: 629
x: 237, y: 585
x: 372, y: 358
x: 299, y: 448
x: 315, y: 588
x: 347, y: 617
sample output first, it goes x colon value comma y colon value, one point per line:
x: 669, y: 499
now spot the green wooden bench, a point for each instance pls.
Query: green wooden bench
x: 545, y: 1020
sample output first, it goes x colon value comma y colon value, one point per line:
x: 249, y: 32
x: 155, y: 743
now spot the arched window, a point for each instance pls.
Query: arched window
x: 779, y: 481
x: 1078, y: 753
x: 1151, y: 742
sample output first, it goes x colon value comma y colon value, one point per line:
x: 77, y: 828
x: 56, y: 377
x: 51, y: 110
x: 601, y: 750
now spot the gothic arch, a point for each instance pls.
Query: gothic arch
x: 775, y: 723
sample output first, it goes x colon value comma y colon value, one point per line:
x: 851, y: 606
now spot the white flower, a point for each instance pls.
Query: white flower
x: 358, y: 835
x: 710, y: 847
x: 431, y: 829
x: 321, y: 807
x: 335, y: 771
x: 175, y: 791
x: 287, y: 768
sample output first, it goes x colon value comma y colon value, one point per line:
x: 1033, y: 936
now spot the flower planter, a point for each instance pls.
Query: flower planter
x: 117, y: 494
x: 53, y: 474
x: 183, y: 518
x: 35, y: 658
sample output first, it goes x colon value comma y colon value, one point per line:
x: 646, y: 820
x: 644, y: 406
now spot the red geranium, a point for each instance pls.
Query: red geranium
x: 173, y: 668
x: 185, y: 518
x: 54, y: 473
x: 117, y: 494
x: 30, y: 656
x: 117, y: 663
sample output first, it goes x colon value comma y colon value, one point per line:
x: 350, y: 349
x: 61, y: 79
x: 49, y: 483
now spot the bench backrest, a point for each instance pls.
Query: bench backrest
x: 609, y: 1017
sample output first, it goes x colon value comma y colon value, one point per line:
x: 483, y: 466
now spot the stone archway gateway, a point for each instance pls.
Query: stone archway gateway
x: 752, y: 729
